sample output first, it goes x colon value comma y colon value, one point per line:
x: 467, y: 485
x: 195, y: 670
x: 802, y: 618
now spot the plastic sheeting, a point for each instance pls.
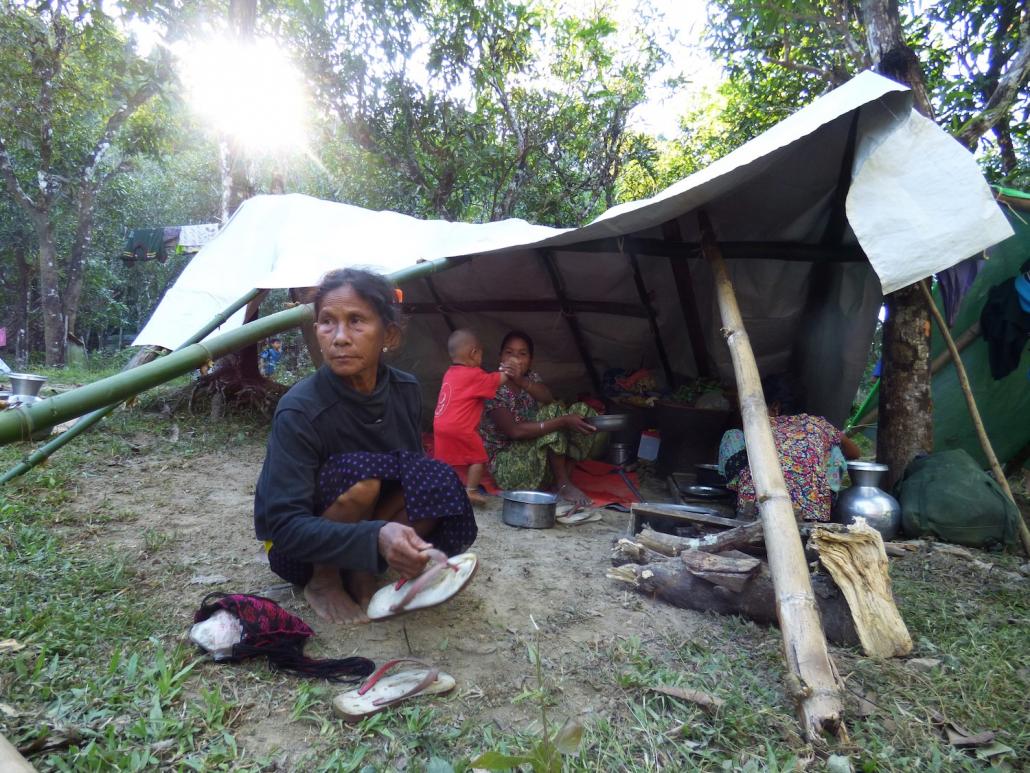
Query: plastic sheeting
x: 916, y: 204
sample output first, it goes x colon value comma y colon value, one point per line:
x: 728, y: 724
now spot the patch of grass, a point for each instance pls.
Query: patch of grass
x: 104, y: 679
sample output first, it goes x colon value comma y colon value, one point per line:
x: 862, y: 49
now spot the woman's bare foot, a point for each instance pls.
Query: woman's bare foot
x: 361, y: 586
x: 326, y: 595
x: 569, y: 493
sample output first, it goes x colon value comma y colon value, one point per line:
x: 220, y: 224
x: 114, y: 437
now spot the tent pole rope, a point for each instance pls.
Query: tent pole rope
x: 974, y: 413
x: 809, y: 669
x: 570, y: 317
x: 89, y: 420
x: 688, y: 301
x: 652, y: 319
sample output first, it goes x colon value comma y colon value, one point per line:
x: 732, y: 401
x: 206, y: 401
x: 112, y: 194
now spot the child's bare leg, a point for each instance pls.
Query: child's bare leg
x: 325, y: 591
x: 474, y: 475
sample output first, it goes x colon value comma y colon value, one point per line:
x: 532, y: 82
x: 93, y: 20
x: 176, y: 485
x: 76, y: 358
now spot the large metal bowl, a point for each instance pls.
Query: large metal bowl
x: 609, y: 422
x: 529, y: 509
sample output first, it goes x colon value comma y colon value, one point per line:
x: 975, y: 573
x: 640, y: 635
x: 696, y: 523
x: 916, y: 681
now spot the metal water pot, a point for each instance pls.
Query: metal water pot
x: 866, y: 500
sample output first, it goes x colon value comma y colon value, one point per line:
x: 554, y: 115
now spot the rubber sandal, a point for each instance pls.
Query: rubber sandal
x: 440, y: 582
x: 382, y: 690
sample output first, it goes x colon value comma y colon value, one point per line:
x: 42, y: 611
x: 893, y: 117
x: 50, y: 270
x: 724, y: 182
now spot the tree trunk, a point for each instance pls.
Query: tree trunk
x: 906, y: 409
x: 905, y: 426
x: 49, y: 277
x: 21, y: 310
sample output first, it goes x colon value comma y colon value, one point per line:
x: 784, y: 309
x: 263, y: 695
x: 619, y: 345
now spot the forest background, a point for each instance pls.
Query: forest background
x: 455, y: 109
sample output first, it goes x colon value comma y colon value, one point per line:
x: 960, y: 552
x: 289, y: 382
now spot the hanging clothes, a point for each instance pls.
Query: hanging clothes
x: 955, y: 282
x: 1005, y: 326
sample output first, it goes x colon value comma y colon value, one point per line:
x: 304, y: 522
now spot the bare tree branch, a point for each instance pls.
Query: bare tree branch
x: 114, y: 125
x: 11, y: 181
x: 1009, y: 85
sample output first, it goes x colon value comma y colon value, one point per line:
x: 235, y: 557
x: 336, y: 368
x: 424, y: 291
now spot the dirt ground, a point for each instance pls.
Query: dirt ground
x: 184, y: 520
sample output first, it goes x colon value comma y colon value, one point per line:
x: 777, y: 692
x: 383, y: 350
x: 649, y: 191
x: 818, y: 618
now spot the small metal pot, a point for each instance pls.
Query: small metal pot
x: 529, y: 509
x: 619, y: 454
x: 26, y: 384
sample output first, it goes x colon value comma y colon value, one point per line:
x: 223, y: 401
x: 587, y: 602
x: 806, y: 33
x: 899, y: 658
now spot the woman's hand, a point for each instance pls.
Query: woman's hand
x: 403, y: 549
x: 576, y: 423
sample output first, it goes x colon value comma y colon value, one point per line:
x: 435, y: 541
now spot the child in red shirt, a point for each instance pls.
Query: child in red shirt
x: 465, y: 388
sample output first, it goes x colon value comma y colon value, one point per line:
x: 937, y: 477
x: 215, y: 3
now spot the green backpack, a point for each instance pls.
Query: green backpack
x: 946, y: 495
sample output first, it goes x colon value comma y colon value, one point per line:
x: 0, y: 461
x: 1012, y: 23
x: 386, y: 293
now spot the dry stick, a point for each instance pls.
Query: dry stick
x: 809, y: 670
x: 974, y: 413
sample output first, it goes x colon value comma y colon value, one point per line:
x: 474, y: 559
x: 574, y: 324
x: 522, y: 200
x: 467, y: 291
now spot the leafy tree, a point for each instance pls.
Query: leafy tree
x: 77, y: 110
x: 475, y: 110
x: 974, y: 55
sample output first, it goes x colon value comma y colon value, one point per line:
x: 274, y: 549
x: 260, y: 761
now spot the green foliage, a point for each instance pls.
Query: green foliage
x: 475, y: 111
x: 781, y: 55
x: 546, y: 753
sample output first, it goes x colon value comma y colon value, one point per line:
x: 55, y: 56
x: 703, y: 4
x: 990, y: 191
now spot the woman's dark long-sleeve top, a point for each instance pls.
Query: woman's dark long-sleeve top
x: 319, y: 417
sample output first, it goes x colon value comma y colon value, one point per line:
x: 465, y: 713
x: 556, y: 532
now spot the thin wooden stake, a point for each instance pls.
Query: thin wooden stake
x: 809, y: 669
x: 974, y: 413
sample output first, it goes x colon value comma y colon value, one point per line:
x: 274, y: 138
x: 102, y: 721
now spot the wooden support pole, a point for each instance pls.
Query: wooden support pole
x: 307, y: 332
x: 688, y: 303
x: 804, y: 642
x: 439, y: 303
x: 570, y: 317
x: 523, y: 306
x: 652, y: 319
x: 974, y: 413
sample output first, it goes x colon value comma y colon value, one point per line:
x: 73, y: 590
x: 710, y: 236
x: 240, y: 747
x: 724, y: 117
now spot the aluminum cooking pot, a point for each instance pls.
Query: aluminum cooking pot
x: 26, y: 384
x: 529, y: 509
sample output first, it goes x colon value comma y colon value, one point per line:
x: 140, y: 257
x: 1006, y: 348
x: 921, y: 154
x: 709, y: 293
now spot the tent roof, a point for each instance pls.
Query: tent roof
x: 855, y: 174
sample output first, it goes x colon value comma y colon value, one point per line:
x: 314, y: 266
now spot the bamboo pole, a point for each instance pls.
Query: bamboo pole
x: 19, y: 423
x: 85, y: 423
x: 804, y: 642
x: 974, y: 412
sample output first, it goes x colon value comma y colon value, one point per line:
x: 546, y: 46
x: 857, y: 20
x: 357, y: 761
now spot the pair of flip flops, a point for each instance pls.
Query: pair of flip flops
x: 442, y: 580
x: 383, y: 689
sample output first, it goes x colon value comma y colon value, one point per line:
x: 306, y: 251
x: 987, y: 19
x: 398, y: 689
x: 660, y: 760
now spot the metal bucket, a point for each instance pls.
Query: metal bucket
x: 529, y: 509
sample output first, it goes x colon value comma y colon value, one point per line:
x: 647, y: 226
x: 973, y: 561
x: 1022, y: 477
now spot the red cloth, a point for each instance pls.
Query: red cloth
x: 458, y: 411
x: 598, y: 480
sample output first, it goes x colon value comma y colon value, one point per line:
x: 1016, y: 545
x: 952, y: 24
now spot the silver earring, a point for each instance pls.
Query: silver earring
x: 386, y: 349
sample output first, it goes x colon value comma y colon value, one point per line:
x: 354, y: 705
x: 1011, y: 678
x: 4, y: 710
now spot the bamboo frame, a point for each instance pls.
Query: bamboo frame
x: 545, y: 306
x: 440, y: 304
x: 652, y: 319
x: 19, y: 423
x: 804, y: 642
x: 570, y: 317
x: 688, y: 302
x: 673, y: 247
x: 86, y: 422
x: 974, y: 413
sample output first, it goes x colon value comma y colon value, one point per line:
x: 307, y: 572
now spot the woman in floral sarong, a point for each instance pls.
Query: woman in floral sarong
x: 531, y: 440
x: 812, y: 455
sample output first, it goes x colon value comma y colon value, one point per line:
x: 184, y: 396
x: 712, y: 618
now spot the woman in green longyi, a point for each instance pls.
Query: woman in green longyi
x: 531, y: 440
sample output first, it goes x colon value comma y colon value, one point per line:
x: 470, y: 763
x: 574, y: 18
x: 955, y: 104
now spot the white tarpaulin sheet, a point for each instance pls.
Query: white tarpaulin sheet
x: 916, y: 204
